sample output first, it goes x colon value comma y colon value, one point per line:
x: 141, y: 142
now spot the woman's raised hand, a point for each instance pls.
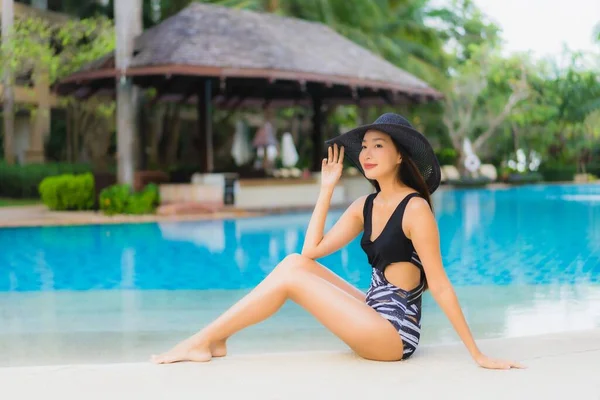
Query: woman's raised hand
x: 331, y: 170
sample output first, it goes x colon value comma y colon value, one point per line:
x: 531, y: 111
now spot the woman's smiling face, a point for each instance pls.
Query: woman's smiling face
x: 379, y: 155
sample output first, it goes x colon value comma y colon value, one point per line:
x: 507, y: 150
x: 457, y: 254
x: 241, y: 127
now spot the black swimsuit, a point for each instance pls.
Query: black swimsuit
x: 401, y: 307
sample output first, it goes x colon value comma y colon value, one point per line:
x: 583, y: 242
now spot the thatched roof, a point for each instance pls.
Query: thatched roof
x: 239, y: 46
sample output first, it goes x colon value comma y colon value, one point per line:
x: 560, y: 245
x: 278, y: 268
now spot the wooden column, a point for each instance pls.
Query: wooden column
x: 8, y: 92
x: 144, y: 131
x: 128, y: 25
x: 317, y: 133
x: 40, y: 123
x: 204, y: 125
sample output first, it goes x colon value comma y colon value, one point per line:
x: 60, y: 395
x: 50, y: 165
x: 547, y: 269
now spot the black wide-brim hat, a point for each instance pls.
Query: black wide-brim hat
x: 405, y: 136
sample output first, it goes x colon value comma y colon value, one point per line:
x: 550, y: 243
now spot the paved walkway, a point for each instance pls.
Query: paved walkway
x: 39, y: 215
x: 560, y: 366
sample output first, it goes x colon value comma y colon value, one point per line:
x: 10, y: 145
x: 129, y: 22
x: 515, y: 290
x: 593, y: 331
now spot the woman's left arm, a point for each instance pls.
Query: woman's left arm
x: 422, y: 229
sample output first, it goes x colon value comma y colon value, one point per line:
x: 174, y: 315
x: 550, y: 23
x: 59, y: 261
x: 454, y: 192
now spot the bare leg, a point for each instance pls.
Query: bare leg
x: 219, y: 348
x: 348, y: 317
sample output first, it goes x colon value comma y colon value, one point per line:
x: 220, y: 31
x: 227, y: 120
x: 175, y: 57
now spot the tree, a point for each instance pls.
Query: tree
x: 587, y: 138
x: 39, y: 49
x: 464, y: 28
x: 8, y: 78
x: 484, y: 92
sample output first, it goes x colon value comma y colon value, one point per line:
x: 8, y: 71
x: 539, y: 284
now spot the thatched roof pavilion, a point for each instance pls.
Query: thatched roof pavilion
x: 229, y: 58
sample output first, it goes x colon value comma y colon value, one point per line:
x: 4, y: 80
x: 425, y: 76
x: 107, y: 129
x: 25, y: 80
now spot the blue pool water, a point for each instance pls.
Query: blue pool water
x: 533, y: 235
x: 524, y: 261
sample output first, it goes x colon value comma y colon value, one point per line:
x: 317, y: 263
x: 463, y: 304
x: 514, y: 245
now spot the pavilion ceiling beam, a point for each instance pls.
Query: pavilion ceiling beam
x: 190, y: 92
x: 163, y: 89
x: 317, y: 132
x: 387, y: 97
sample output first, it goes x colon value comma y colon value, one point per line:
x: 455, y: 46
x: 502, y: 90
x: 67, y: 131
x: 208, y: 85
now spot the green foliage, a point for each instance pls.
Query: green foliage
x: 144, y: 202
x: 55, y: 50
x: 482, y: 95
x: 37, y: 51
x: 555, y: 122
x: 460, y: 53
x: 558, y: 173
x: 465, y: 27
x: 22, y: 181
x: 121, y: 199
x: 114, y: 199
x: 447, y: 156
x: 68, y: 192
x: 17, y: 202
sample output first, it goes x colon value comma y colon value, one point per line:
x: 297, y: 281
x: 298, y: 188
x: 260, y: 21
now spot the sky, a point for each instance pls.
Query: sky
x: 542, y: 27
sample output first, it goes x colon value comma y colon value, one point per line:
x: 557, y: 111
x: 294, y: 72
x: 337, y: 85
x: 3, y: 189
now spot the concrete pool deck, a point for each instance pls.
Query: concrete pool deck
x: 563, y: 365
x: 40, y: 215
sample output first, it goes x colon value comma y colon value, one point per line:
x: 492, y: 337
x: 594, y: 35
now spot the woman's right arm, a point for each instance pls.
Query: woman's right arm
x: 350, y: 224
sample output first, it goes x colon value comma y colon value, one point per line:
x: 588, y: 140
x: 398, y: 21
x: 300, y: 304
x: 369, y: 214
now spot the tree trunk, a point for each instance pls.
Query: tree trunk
x: 272, y: 6
x: 128, y: 25
x: 515, y: 134
x: 69, y: 127
x: 9, y: 100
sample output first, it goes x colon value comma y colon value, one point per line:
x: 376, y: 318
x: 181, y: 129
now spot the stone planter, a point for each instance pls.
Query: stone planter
x: 530, y: 177
x: 584, y: 178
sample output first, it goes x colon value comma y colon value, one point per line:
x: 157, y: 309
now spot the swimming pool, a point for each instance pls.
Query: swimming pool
x: 523, y: 260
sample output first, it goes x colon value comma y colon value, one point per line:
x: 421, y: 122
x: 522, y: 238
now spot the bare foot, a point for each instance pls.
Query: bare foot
x: 218, y: 348
x: 184, y: 352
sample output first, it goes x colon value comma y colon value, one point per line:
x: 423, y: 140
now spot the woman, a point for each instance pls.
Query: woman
x: 400, y: 238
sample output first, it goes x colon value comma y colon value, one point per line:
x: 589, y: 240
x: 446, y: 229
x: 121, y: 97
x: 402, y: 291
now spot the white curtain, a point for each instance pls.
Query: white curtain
x: 241, y: 150
x: 289, y: 154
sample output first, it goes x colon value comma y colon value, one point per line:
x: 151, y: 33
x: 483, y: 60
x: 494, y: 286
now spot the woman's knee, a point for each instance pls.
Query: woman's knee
x: 294, y: 261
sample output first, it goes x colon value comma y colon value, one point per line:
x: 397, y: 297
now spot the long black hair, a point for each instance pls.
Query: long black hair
x: 410, y: 175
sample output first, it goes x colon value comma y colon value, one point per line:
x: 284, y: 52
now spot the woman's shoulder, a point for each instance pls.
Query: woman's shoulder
x: 357, y: 207
x: 417, y: 206
x: 360, y: 202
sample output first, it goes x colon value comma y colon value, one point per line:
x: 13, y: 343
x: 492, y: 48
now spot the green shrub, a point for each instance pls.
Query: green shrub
x: 113, y: 199
x: 23, y: 181
x: 555, y: 173
x: 121, y: 199
x: 68, y: 192
x: 447, y: 156
x: 593, y: 169
x: 566, y: 172
x: 144, y: 202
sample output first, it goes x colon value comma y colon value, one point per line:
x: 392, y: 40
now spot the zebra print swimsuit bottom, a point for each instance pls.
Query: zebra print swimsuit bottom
x: 401, y: 307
